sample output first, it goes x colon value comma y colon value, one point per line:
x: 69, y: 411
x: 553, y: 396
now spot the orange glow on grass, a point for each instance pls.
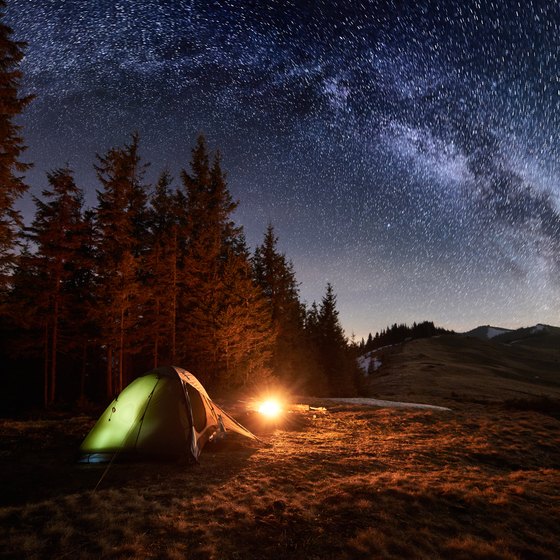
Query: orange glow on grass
x: 271, y: 408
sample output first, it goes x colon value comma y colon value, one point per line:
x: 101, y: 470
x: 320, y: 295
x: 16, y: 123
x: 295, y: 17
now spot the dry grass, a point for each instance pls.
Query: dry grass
x: 480, y: 483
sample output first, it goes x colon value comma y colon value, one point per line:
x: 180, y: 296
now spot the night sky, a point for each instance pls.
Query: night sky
x: 406, y: 152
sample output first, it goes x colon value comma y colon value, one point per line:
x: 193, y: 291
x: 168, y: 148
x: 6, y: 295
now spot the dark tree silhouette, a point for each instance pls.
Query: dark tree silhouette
x: 276, y: 277
x: 11, y: 147
x: 121, y: 217
x: 397, y: 333
x: 60, y: 234
x: 226, y: 330
x: 337, y: 363
x: 161, y: 266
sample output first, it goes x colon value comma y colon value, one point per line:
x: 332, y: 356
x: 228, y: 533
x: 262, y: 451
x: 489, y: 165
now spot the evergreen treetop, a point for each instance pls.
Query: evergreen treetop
x: 12, y: 147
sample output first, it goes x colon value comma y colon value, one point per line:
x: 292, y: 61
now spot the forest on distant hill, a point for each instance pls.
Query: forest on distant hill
x: 397, y: 333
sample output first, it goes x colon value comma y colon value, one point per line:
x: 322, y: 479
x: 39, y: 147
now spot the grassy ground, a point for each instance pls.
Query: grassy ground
x: 354, y: 482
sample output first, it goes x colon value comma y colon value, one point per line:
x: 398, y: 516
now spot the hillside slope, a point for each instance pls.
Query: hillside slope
x: 454, y: 369
x: 486, y: 332
x: 539, y: 337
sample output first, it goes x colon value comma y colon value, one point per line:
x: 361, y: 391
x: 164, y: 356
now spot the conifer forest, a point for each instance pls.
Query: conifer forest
x: 152, y: 274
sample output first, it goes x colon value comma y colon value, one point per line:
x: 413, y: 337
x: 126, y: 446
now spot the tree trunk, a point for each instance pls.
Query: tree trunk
x: 83, y: 373
x: 121, y: 351
x: 46, y: 366
x: 156, y: 340
x: 174, y: 301
x: 109, y: 377
x: 54, y: 343
x: 157, y: 318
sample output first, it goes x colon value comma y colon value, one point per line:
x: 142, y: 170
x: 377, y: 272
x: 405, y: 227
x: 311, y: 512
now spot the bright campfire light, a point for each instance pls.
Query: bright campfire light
x: 270, y: 408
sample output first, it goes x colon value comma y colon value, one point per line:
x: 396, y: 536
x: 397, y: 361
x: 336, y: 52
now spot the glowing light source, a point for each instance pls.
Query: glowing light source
x: 270, y: 408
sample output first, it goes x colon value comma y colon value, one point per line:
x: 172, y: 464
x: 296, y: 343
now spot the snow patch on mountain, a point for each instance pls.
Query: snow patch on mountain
x: 495, y: 331
x: 369, y: 362
x: 486, y: 332
x: 511, y: 336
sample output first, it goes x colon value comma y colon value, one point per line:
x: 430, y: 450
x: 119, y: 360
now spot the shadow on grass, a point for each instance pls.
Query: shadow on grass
x: 544, y: 405
x: 39, y: 461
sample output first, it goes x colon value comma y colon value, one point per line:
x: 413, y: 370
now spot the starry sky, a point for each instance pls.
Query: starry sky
x: 406, y: 152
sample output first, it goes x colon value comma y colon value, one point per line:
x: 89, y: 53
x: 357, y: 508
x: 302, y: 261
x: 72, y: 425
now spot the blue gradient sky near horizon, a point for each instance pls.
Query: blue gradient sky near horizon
x: 406, y: 152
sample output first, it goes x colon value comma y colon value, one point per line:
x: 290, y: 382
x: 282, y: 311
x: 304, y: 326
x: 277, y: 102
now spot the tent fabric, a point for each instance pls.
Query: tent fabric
x: 164, y: 413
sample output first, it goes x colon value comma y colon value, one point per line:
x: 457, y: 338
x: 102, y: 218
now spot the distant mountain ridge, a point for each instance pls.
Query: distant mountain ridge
x: 538, y: 342
x: 539, y: 333
x: 486, y: 332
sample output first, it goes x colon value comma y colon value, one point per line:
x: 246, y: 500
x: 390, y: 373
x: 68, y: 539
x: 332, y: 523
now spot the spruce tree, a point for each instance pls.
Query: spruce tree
x: 162, y: 270
x: 244, y: 334
x: 317, y: 383
x: 338, y: 364
x: 276, y: 277
x: 201, y: 298
x: 60, y: 234
x: 226, y: 333
x: 121, y: 220
x: 11, y: 147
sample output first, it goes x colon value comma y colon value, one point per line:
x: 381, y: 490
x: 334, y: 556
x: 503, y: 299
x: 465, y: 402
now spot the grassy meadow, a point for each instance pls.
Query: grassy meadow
x: 478, y: 482
x: 454, y: 370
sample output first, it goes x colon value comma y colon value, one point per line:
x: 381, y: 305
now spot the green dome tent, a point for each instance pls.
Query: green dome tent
x: 164, y: 413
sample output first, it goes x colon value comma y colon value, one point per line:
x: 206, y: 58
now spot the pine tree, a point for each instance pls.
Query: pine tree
x: 121, y: 221
x: 82, y: 314
x: 338, y: 365
x: 226, y: 335
x: 276, y: 277
x: 244, y: 334
x: 204, y: 222
x: 313, y: 363
x: 162, y: 269
x: 60, y: 234
x: 11, y: 147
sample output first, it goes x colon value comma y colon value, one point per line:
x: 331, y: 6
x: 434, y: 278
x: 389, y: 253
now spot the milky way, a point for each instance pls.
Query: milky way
x: 406, y: 152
